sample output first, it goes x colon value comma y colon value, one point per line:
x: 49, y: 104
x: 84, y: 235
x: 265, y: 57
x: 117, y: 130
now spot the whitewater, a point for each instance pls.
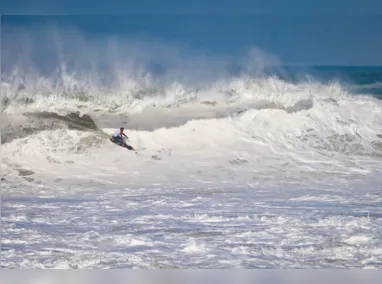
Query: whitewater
x: 251, y: 172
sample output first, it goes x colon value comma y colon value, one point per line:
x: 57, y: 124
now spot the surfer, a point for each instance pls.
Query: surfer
x: 117, y: 137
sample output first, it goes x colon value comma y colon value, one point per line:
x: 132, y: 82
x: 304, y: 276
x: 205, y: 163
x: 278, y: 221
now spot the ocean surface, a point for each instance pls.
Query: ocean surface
x: 277, y: 168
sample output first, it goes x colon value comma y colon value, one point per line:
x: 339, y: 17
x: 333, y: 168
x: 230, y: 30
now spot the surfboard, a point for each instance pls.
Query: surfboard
x: 129, y: 147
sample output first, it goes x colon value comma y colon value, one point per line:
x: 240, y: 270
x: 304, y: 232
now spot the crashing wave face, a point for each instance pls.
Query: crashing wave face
x: 242, y: 119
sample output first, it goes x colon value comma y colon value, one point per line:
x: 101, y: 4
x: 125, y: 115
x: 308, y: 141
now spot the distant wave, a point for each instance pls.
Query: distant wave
x: 368, y: 86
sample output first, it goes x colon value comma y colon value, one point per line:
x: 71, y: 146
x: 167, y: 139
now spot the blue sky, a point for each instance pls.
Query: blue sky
x: 297, y: 32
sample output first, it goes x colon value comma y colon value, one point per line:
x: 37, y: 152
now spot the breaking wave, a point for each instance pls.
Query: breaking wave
x: 254, y: 112
x: 321, y: 117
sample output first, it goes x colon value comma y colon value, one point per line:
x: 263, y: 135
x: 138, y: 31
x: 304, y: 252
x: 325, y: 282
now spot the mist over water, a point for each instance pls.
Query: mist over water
x: 239, y: 163
x: 64, y: 62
